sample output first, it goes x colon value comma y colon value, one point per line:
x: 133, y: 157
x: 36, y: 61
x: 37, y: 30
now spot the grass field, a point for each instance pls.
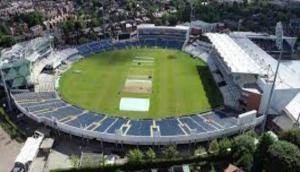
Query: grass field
x: 180, y: 84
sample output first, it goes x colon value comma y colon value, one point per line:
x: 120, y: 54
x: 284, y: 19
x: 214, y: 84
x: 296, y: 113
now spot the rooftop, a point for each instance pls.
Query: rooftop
x: 23, y: 50
x: 243, y: 56
x: 293, y: 108
x: 233, y: 55
x: 178, y: 27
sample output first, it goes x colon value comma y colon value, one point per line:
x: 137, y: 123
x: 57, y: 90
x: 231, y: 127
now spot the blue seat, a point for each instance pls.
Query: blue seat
x: 85, y: 120
x: 191, y: 124
x: 62, y: 112
x: 117, y: 125
x: 43, y: 106
x: 95, y: 47
x: 105, y: 124
x: 84, y: 50
x: 169, y: 127
x: 140, y: 128
x: 221, y: 119
x: 202, y: 123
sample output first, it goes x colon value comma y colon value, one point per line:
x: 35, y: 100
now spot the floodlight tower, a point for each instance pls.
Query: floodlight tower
x: 192, y: 14
x: 5, y: 87
x: 279, y: 40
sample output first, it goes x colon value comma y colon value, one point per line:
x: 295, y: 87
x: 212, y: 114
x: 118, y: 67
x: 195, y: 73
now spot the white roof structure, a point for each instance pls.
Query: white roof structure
x: 293, y: 108
x: 287, y: 77
x: 241, y: 55
x: 13, y: 54
x: 293, y: 65
x: 177, y: 27
x: 233, y: 55
x: 24, y: 50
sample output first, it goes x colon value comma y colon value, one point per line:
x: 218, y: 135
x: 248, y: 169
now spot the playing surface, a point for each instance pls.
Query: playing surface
x: 180, y: 84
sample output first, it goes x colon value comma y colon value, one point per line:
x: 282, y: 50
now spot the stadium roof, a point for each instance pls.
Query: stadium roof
x: 233, y: 55
x: 23, y: 50
x: 178, y: 27
x: 13, y: 54
x: 293, y: 108
x: 243, y: 56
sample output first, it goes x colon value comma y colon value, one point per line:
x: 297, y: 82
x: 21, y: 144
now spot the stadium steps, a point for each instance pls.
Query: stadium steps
x: 183, y: 127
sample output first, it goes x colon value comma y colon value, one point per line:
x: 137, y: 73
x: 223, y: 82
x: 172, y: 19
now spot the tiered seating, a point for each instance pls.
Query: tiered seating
x: 163, y: 43
x: 50, y: 107
x: 169, y: 127
x: 85, y: 120
x: 105, y: 45
x: 175, y: 44
x: 46, y: 106
x: 165, y: 37
x: 107, y: 122
x: 27, y: 104
x: 202, y: 123
x: 117, y: 125
x: 193, y: 125
x: 95, y: 46
x: 140, y: 128
x: 221, y: 119
x: 62, y: 112
x: 84, y: 50
x: 32, y: 96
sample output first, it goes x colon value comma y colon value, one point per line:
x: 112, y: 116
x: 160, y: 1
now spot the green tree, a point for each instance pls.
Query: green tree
x: 32, y: 18
x: 4, y: 29
x: 164, y: 19
x: 95, y: 22
x: 200, y: 151
x: 83, y: 40
x: 282, y: 156
x: 68, y: 26
x: 7, y: 40
x: 150, y: 155
x: 225, y: 146
x: 213, y: 147
x: 292, y: 136
x: 170, y: 152
x: 243, y: 149
x: 265, y: 141
x: 74, y: 159
x: 135, y: 156
x: 172, y: 19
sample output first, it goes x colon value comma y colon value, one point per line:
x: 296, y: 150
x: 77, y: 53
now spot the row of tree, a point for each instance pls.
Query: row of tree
x: 248, y: 151
x: 259, y: 16
x: 137, y: 156
x: 264, y: 153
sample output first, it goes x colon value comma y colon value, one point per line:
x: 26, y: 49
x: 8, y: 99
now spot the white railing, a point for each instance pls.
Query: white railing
x: 140, y: 140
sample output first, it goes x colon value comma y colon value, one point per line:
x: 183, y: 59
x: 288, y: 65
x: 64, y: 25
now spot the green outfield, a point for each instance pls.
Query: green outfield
x: 180, y: 84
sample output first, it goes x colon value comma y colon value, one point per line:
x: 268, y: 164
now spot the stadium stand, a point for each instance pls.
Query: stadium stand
x: 169, y: 127
x: 45, y: 106
x: 48, y: 105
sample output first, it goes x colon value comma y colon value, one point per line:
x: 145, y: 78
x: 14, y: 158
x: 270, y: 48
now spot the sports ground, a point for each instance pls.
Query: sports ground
x: 172, y: 81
